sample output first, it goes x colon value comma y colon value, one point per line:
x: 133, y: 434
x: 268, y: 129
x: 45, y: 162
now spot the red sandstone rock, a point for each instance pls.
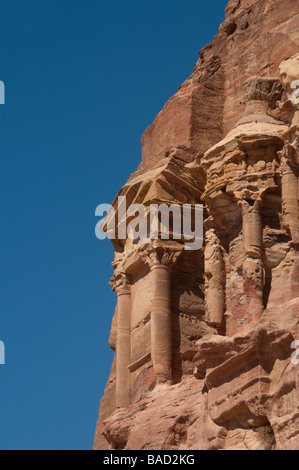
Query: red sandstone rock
x: 204, y: 339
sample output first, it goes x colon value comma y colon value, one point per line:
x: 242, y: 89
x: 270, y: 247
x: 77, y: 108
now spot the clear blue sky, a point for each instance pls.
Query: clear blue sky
x: 83, y: 80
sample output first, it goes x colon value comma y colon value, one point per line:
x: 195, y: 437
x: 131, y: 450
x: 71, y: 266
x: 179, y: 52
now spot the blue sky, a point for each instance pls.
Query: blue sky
x: 83, y: 80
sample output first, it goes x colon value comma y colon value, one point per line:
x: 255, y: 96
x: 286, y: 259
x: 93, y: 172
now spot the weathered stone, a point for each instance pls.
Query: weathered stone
x: 204, y: 339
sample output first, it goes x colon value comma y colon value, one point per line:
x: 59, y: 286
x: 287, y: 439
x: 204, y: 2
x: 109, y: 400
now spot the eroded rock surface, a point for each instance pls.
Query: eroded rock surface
x: 205, y: 339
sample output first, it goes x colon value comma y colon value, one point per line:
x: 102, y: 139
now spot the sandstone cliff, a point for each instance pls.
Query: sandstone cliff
x: 204, y: 339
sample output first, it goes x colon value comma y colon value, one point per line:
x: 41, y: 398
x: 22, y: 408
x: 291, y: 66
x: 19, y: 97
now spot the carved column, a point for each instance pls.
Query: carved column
x: 215, y: 279
x: 253, y: 272
x: 160, y: 260
x: 122, y: 288
x: 289, y: 193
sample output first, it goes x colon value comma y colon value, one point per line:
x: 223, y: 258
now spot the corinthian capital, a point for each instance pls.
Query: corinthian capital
x: 250, y: 200
x: 120, y: 283
x: 155, y: 254
x: 290, y: 152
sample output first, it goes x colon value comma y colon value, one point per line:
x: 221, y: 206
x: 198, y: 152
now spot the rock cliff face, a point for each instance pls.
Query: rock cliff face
x: 205, y: 339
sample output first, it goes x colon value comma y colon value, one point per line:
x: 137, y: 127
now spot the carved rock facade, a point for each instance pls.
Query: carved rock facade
x: 203, y: 339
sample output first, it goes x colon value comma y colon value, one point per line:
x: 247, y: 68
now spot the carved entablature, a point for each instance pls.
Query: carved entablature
x: 176, y: 179
x: 220, y: 174
x: 246, y: 169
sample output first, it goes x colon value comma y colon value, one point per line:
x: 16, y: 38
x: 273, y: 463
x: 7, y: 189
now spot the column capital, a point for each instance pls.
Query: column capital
x: 289, y: 155
x: 157, y: 255
x: 120, y: 283
x: 250, y: 201
x: 253, y: 205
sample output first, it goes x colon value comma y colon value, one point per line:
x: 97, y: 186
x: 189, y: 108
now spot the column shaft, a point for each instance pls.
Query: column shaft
x: 253, y: 271
x: 123, y: 347
x: 161, y: 323
x: 215, y: 278
x: 289, y: 194
x: 252, y: 230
